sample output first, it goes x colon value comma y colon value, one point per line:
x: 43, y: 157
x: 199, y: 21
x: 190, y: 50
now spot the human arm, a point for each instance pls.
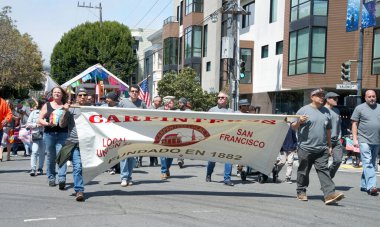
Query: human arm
x: 329, y: 145
x: 42, y: 115
x: 8, y: 115
x: 354, y: 129
x: 64, y: 120
x: 295, y: 125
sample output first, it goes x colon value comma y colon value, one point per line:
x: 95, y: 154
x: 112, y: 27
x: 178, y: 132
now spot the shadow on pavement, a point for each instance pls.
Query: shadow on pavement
x: 343, y: 188
x: 201, y: 193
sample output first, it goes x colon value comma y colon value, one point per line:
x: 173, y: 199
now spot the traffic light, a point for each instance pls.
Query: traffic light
x: 242, y: 70
x: 345, y: 73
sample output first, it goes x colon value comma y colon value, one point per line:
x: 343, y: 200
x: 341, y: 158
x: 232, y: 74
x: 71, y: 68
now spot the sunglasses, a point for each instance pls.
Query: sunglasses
x: 222, y: 97
x: 134, y: 91
x: 82, y: 95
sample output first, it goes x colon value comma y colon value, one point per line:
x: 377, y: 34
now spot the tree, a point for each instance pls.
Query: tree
x: 20, y: 59
x: 185, y: 85
x: 109, y: 44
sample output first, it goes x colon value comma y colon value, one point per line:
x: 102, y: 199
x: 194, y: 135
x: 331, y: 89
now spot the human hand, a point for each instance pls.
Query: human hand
x: 4, y: 122
x: 303, y: 119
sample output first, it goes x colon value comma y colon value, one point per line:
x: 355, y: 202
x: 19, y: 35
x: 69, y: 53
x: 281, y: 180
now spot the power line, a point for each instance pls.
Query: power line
x: 146, y: 14
x: 158, y: 14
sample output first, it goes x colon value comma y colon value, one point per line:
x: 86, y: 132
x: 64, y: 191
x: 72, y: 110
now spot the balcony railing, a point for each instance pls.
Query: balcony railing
x: 171, y: 19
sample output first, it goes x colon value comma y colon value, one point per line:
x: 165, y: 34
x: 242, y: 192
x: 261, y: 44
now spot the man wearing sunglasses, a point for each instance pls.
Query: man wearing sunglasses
x: 221, y: 107
x: 336, y: 121
x: 126, y: 166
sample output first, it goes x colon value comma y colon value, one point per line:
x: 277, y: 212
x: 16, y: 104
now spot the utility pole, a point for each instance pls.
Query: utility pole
x: 235, y: 10
x: 94, y: 7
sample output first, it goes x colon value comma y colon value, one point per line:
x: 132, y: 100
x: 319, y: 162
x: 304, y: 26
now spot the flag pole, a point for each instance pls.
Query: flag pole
x: 143, y: 80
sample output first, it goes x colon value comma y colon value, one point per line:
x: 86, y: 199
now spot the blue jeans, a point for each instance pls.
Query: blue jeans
x: 368, y: 154
x: 77, y: 170
x: 126, y: 168
x: 38, y: 150
x: 54, y: 141
x: 227, y: 170
x: 165, y: 164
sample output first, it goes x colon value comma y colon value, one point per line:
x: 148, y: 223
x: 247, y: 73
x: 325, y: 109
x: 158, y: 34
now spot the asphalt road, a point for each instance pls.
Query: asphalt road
x: 185, y: 199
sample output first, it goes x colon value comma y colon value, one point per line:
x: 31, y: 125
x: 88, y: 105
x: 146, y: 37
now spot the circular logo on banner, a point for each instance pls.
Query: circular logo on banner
x: 181, y: 135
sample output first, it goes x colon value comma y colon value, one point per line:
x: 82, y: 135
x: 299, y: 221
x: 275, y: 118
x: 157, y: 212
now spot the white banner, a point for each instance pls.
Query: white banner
x: 109, y: 135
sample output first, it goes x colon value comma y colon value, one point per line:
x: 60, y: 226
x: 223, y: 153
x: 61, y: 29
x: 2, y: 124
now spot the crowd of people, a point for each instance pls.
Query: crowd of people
x: 314, y: 137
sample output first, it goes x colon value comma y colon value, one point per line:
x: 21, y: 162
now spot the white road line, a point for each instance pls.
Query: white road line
x: 39, y: 219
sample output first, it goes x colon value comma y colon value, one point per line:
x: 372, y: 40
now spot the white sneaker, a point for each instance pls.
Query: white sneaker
x: 129, y: 183
x: 124, y: 183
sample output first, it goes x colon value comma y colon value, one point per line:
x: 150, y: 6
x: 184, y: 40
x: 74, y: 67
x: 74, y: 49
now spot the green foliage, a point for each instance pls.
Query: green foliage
x: 185, y: 85
x: 20, y: 59
x: 109, y: 44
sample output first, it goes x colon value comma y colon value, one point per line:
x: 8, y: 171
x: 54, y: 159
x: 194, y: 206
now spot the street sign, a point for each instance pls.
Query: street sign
x: 347, y: 86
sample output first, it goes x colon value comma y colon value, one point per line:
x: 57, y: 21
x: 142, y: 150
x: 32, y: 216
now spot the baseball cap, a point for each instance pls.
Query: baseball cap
x: 331, y: 95
x: 317, y: 91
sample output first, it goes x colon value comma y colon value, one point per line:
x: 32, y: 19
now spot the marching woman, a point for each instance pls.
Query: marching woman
x: 54, y: 136
x: 38, y: 145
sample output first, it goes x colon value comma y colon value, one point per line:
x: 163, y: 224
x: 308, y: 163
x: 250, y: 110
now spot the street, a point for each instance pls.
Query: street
x: 185, y: 199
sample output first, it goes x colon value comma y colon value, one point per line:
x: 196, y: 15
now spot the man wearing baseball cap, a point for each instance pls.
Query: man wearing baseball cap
x: 336, y: 121
x: 314, y: 144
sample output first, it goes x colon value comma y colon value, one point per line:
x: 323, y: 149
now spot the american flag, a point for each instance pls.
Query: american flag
x: 144, y: 92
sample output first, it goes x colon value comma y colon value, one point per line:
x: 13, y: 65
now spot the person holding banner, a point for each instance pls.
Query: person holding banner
x: 54, y: 136
x: 126, y: 165
x: 156, y: 105
x: 314, y: 147
x: 71, y: 150
x: 221, y: 107
x: 167, y: 162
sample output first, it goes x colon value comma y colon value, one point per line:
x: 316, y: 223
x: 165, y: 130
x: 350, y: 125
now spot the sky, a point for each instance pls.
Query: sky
x: 48, y: 20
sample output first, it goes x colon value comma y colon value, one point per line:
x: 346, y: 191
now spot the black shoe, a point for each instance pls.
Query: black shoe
x: 62, y: 185
x: 40, y: 172
x: 208, y: 178
x: 151, y: 164
x: 52, y: 183
x: 228, y: 183
x: 32, y: 173
x: 180, y: 164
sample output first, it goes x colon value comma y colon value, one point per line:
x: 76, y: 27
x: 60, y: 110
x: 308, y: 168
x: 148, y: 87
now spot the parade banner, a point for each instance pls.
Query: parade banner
x: 109, y: 135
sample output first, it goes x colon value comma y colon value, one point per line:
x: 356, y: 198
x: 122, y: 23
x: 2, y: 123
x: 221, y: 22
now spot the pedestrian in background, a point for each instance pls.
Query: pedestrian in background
x: 336, y: 122
x: 156, y: 105
x: 5, y: 119
x: 366, y: 136
x: 221, y: 107
x: 183, y: 105
x: 126, y: 165
x: 37, y: 143
x: 314, y: 146
x: 287, y: 152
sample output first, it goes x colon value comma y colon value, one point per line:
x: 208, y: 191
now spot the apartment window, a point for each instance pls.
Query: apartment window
x: 248, y: 20
x: 246, y: 56
x: 376, y: 51
x: 194, y: 6
x: 299, y: 9
x: 193, y: 42
x: 318, y: 50
x: 205, y: 35
x: 320, y: 7
x: 171, y: 51
x: 180, y: 51
x: 181, y: 13
x: 377, y: 8
x: 264, y: 51
x: 301, y: 55
x: 279, y: 47
x: 273, y: 11
x: 208, y: 66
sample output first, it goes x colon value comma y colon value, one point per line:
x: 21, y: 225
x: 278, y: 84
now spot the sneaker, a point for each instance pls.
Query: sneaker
x: 163, y: 176
x: 13, y: 155
x: 32, y: 173
x: 129, y: 183
x: 287, y: 180
x: 112, y: 171
x: 238, y: 173
x: 124, y: 183
x: 302, y: 196
x: 208, y: 178
x: 62, y: 185
x: 79, y: 197
x: 52, y: 183
x: 180, y: 164
x: 40, y: 172
x: 228, y: 183
x: 334, y: 197
x: 373, y: 191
